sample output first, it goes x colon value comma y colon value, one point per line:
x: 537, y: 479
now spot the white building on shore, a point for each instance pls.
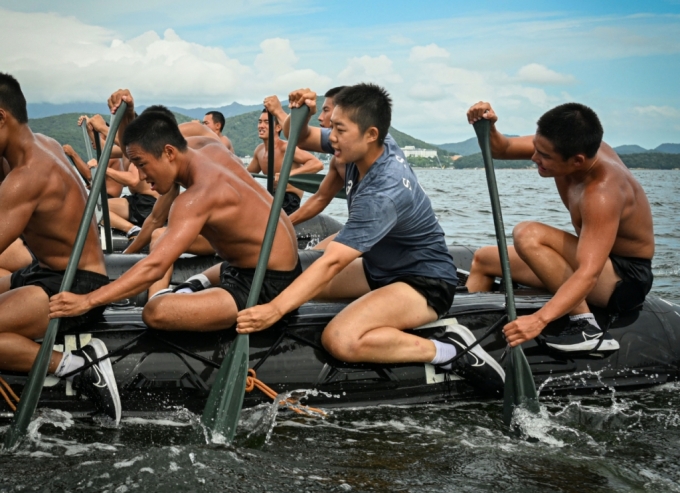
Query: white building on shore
x: 411, y: 151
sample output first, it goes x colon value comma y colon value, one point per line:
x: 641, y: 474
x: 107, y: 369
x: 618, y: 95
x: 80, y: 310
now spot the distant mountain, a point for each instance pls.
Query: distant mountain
x: 645, y: 160
x: 669, y: 148
x: 629, y: 149
x: 64, y: 129
x: 465, y: 148
x: 42, y: 110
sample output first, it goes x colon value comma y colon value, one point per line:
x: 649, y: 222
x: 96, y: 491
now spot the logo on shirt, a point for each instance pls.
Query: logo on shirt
x: 399, y: 158
x: 348, y: 188
x: 407, y: 183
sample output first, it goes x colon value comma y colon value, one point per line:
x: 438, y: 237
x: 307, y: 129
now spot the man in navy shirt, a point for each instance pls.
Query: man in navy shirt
x: 390, y: 255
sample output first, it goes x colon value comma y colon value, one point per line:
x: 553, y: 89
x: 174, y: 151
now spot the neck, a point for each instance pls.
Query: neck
x: 365, y: 163
x: 183, y: 163
x: 18, y: 146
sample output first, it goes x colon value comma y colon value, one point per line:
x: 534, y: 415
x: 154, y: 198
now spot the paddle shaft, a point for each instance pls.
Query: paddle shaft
x: 223, y: 408
x: 104, y: 199
x: 36, y: 377
x: 270, y: 154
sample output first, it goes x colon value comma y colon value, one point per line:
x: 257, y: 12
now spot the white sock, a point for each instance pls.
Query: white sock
x: 444, y: 352
x: 133, y: 230
x: 585, y: 316
x: 69, y: 363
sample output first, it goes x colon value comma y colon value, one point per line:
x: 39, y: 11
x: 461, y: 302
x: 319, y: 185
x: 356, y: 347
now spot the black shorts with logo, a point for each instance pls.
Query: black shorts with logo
x: 237, y: 282
x: 636, y: 281
x: 50, y: 281
x: 438, y: 293
x: 291, y: 203
x: 139, y: 207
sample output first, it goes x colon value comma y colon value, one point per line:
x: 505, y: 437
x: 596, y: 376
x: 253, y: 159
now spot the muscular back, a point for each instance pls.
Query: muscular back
x: 610, y: 178
x: 46, y: 201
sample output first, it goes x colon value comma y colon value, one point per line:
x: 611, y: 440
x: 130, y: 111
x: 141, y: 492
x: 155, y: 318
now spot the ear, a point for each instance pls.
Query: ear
x: 170, y: 152
x: 371, y: 134
x: 579, y: 160
x: 3, y: 117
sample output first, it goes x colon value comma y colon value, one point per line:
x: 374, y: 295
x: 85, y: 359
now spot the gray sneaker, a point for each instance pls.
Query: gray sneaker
x: 98, y: 382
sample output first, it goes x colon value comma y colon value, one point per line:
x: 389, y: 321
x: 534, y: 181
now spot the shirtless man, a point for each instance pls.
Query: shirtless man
x: 607, y: 263
x: 390, y: 254
x: 214, y: 120
x: 43, y: 199
x: 303, y: 161
x: 223, y: 203
x: 334, y: 180
x: 113, y: 188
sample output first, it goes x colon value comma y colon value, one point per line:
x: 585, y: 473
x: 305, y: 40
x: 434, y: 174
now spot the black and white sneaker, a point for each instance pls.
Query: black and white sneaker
x: 98, y: 382
x: 477, y: 366
x: 581, y: 335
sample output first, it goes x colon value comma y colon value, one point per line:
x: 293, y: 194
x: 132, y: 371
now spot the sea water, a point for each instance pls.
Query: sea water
x: 608, y: 442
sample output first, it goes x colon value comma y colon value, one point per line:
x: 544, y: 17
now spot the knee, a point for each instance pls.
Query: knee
x: 153, y: 314
x: 154, y: 237
x: 484, y: 258
x: 527, y: 235
x: 341, y: 348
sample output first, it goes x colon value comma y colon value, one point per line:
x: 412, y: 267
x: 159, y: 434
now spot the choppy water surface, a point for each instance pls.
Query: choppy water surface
x: 613, y: 441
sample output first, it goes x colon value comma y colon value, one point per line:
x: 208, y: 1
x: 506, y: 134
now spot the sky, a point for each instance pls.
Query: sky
x: 435, y: 57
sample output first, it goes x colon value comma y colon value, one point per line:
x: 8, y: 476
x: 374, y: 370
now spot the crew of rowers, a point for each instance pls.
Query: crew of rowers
x: 390, y: 256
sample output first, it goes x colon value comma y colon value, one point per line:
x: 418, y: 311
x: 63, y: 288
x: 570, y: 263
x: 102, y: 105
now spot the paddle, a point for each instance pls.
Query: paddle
x: 108, y: 240
x: 520, y: 389
x: 270, y: 154
x: 307, y: 182
x: 223, y: 408
x: 36, y: 377
x: 90, y: 155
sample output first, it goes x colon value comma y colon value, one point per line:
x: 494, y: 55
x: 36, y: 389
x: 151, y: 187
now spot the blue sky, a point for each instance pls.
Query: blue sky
x: 436, y: 58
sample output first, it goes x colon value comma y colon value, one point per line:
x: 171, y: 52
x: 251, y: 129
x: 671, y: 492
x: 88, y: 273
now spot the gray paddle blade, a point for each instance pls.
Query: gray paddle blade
x: 223, y: 408
x: 520, y: 389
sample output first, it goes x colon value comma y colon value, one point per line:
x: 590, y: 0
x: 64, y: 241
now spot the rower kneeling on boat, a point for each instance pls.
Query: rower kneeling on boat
x: 391, y: 254
x: 223, y: 203
x: 606, y: 264
x: 43, y: 200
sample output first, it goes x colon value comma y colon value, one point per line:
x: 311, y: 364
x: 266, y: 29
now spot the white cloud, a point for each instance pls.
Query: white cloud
x: 658, y: 111
x: 399, y: 39
x: 369, y: 69
x: 535, y: 73
x: 422, y: 53
x: 64, y: 60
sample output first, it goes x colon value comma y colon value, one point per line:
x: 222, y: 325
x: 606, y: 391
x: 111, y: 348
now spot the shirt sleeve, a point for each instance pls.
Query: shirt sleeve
x: 371, y: 218
x: 325, y: 141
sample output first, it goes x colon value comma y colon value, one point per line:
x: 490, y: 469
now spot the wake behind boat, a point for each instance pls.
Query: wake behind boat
x: 160, y: 371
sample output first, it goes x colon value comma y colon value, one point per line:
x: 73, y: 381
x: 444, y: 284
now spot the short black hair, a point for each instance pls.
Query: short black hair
x: 152, y: 131
x: 367, y: 105
x: 159, y: 108
x: 12, y: 99
x: 217, y: 118
x: 332, y: 92
x: 572, y: 128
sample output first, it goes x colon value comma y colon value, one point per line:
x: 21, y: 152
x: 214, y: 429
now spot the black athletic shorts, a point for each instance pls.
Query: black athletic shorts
x: 50, y: 281
x: 437, y: 292
x: 139, y: 207
x: 237, y: 282
x: 291, y: 203
x: 636, y: 281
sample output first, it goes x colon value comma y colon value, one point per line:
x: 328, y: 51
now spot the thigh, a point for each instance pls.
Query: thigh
x: 349, y: 283
x: 211, y: 309
x: 15, y: 256
x: 325, y: 242
x: 24, y: 311
x: 565, y: 244
x: 397, y: 306
x: 606, y: 284
x: 120, y: 207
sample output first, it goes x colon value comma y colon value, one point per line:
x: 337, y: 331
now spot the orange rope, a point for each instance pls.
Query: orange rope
x: 11, y: 392
x: 252, y: 382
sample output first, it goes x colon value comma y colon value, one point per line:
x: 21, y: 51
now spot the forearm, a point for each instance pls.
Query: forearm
x: 134, y: 281
x: 123, y: 177
x: 499, y: 144
x: 314, y: 206
x: 567, y: 297
x: 81, y: 166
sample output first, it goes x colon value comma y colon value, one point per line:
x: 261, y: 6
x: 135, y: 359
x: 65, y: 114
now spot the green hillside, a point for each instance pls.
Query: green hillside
x: 65, y: 130
x: 476, y: 161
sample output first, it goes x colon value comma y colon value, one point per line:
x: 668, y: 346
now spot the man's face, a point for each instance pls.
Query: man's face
x: 263, y: 126
x: 326, y: 111
x: 157, y: 172
x: 208, y: 122
x: 550, y: 162
x: 349, y: 142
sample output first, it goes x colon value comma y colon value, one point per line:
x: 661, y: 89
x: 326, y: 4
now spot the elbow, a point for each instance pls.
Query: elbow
x: 316, y: 166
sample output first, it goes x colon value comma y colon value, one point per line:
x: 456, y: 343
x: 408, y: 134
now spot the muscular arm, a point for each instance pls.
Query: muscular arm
x: 195, y: 129
x: 306, y: 162
x: 330, y: 186
x: 255, y: 166
x: 310, y: 137
x: 310, y: 283
x: 81, y: 165
x: 129, y: 178
x: 19, y: 194
x: 186, y: 222
x: 159, y: 214
x: 502, y: 147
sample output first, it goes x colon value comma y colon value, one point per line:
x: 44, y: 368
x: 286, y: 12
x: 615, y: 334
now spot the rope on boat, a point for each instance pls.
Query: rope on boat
x: 252, y: 382
x: 8, y: 400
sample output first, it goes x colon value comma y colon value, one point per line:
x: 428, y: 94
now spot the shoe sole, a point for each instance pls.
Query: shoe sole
x: 469, y: 339
x: 107, y: 371
x: 607, y: 345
